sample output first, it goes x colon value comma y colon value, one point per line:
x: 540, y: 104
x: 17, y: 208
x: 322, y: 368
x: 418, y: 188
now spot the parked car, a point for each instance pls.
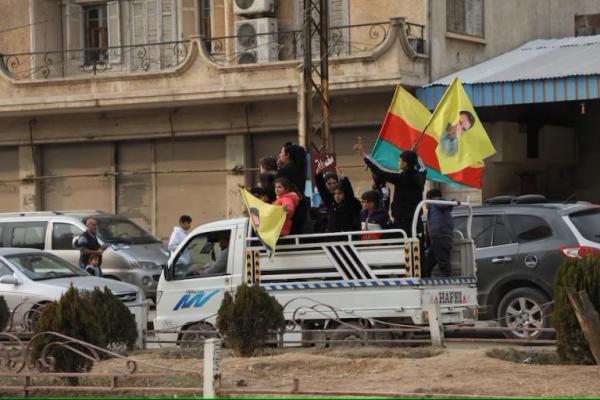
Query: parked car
x: 30, y: 278
x: 520, y: 243
x: 134, y: 255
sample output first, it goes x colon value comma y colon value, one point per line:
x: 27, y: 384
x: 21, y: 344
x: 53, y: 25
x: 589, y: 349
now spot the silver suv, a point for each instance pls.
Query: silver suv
x: 520, y: 243
x: 133, y: 255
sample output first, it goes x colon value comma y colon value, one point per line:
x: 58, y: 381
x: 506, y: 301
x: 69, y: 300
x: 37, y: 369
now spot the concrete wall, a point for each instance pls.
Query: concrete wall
x: 507, y: 24
x: 15, y: 13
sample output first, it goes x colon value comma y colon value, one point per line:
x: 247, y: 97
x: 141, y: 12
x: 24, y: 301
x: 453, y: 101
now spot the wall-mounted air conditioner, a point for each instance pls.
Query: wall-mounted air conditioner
x: 256, y: 40
x: 253, y: 7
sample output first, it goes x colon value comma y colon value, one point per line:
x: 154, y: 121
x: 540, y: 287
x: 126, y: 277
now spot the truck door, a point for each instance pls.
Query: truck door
x: 197, y: 278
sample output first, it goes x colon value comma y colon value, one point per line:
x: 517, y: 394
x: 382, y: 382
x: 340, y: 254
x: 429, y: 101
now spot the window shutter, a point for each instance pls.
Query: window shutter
x: 168, y: 32
x: 74, y: 34
x: 338, y: 17
x: 451, y: 16
x: 339, y: 35
x: 138, y: 26
x: 114, y: 31
x: 188, y: 26
x: 474, y: 17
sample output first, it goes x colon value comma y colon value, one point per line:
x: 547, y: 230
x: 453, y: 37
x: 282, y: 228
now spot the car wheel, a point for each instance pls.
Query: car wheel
x: 525, y: 308
x: 194, y: 335
x: 349, y: 334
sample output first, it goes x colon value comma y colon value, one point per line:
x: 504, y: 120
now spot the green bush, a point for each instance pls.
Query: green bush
x: 4, y: 314
x: 578, y: 274
x: 116, y: 321
x: 73, y: 315
x: 246, y: 321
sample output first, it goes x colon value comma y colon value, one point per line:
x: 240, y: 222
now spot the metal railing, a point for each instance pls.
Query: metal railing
x: 344, y: 41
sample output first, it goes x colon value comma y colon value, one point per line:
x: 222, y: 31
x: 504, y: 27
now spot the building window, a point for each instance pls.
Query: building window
x: 204, y: 18
x: 465, y: 17
x: 96, y: 34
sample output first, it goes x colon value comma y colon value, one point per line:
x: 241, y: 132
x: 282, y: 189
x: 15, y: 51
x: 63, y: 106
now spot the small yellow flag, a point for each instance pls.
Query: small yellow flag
x: 462, y: 140
x: 266, y: 219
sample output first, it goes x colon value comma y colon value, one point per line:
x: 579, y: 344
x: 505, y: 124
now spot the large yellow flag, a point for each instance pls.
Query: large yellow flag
x: 462, y: 140
x: 266, y: 219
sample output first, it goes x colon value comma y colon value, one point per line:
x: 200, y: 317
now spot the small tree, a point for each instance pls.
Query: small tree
x: 247, y: 320
x: 578, y: 274
x: 4, y: 314
x: 116, y: 321
x: 73, y: 315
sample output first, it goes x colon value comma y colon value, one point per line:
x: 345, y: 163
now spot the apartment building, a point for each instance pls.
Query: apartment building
x: 154, y: 108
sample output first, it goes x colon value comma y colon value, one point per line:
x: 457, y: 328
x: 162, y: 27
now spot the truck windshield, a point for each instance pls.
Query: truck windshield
x: 588, y: 224
x: 38, y: 266
x: 115, y: 230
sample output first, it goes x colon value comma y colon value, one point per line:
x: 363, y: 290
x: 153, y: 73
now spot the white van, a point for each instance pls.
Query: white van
x: 318, y: 278
x: 134, y: 255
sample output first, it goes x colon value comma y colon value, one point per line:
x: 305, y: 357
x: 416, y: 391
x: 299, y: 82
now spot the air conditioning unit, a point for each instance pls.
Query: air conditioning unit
x: 253, y: 7
x: 256, y: 40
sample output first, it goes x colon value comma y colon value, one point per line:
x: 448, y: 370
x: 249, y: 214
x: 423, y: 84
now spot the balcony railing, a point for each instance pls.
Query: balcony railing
x: 344, y: 41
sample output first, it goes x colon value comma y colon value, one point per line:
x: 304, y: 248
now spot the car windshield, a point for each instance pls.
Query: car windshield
x: 40, y: 266
x: 588, y: 223
x: 114, y: 230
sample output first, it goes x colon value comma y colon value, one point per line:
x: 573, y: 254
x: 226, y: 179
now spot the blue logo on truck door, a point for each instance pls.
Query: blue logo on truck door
x: 197, y: 299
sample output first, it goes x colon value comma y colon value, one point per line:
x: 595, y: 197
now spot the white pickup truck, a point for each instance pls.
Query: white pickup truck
x: 320, y: 279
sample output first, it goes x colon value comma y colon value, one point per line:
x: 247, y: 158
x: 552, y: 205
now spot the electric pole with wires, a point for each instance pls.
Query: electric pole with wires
x: 316, y: 74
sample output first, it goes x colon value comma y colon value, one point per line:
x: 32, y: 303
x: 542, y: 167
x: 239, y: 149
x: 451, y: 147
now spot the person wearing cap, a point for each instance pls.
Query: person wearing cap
x: 409, y: 183
x: 440, y: 231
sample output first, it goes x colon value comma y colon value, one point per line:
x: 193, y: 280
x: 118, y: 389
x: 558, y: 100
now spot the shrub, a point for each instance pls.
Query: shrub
x: 4, y: 314
x: 117, y: 323
x: 578, y: 274
x: 73, y: 315
x: 246, y: 321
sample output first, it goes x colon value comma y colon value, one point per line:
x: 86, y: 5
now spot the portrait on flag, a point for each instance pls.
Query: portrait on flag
x: 450, y: 140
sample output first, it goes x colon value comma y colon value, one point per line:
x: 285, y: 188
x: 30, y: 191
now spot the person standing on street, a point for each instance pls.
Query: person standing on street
x: 180, y: 232
x: 440, y: 228
x: 89, y: 245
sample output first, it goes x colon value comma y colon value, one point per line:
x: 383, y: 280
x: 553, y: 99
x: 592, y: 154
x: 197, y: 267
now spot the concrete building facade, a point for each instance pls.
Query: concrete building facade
x: 144, y: 107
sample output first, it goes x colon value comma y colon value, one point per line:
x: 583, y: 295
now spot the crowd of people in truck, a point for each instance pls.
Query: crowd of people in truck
x: 282, y: 182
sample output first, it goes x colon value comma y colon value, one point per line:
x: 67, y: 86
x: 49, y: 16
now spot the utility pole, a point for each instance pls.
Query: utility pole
x: 316, y: 75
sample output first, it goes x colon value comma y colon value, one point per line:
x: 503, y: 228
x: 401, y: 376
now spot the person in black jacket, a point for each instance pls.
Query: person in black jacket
x: 409, y: 183
x: 343, y: 209
x: 292, y: 165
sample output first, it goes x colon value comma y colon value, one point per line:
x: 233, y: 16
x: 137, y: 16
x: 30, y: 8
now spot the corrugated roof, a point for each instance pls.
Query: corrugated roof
x: 538, y: 59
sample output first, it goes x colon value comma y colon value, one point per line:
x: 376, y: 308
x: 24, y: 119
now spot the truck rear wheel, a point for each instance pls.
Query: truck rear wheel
x: 349, y: 334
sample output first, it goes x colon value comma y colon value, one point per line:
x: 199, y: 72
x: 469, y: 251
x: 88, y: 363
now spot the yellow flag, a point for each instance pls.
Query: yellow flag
x: 462, y: 140
x: 266, y: 219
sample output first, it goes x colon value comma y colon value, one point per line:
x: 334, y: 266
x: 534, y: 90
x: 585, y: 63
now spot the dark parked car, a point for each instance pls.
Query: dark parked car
x: 520, y: 243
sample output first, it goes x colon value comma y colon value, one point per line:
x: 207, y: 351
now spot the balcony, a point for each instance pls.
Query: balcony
x: 346, y: 43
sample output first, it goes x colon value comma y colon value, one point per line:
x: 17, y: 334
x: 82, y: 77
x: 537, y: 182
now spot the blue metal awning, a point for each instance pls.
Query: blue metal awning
x: 540, y: 71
